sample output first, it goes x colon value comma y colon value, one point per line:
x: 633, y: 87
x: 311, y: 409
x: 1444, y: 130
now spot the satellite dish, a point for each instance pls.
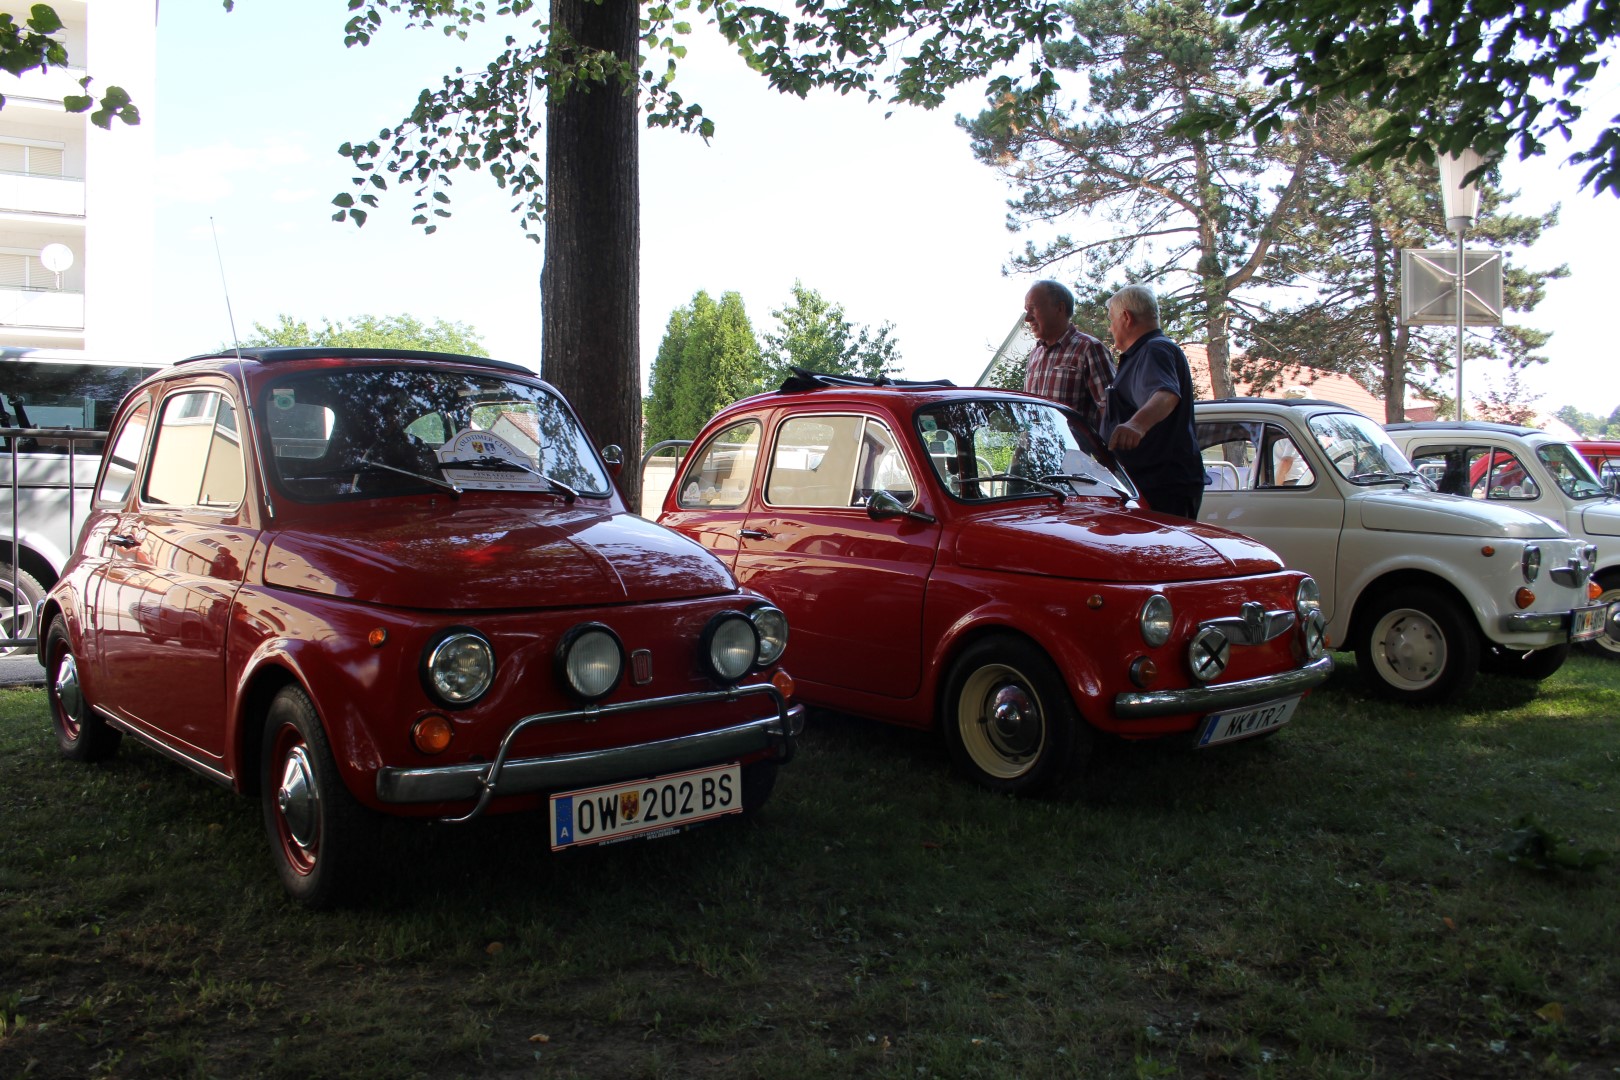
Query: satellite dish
x: 56, y: 257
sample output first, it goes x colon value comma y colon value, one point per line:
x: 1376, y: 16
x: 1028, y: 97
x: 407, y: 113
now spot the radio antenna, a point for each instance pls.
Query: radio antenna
x: 235, y: 341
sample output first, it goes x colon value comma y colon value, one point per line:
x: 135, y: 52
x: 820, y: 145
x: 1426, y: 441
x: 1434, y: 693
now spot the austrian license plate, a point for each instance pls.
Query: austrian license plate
x: 649, y: 807
x: 1227, y: 726
x: 1586, y: 623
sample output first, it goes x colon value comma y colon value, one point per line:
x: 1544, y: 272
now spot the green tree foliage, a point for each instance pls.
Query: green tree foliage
x: 813, y: 333
x: 370, y: 332
x: 33, y: 44
x: 1591, y: 425
x: 1194, y: 216
x: 1453, y: 75
x: 709, y: 358
x: 1343, y: 246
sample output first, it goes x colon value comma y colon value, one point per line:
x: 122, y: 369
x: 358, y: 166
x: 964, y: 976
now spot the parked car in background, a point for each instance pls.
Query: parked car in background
x: 363, y: 582
x: 45, y: 481
x: 971, y: 560
x: 1604, y: 457
x: 1424, y: 587
x: 1511, y: 465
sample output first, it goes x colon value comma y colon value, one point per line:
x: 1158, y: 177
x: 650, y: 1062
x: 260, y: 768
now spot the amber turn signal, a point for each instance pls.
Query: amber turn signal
x: 377, y: 637
x: 1487, y: 551
x: 783, y: 683
x: 431, y: 734
x: 1524, y: 597
x: 1144, y: 672
x: 1593, y: 590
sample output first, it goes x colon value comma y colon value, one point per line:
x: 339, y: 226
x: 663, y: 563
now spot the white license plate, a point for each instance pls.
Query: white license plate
x: 1588, y: 622
x: 656, y: 805
x: 1226, y: 726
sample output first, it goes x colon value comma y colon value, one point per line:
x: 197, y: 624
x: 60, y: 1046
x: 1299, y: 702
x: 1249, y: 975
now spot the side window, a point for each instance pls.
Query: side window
x: 722, y: 473
x: 197, y: 458
x: 814, y: 461
x: 1281, y: 464
x: 125, y: 458
x: 882, y: 467
x: 1477, y: 471
x: 1229, y: 451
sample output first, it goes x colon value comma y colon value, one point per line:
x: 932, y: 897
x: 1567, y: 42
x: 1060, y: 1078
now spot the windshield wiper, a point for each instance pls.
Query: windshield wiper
x: 1031, y: 481
x: 1095, y: 481
x: 500, y: 464
x: 434, y: 480
x: 1379, y: 477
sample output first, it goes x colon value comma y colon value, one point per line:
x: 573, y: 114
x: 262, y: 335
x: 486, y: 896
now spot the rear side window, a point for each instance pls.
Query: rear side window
x: 197, y: 458
x: 1243, y: 455
x: 1480, y: 472
x: 125, y: 458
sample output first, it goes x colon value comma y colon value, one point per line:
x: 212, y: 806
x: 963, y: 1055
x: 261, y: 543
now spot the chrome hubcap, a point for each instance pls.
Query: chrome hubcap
x: 1412, y: 648
x: 1016, y: 720
x: 297, y: 798
x: 67, y: 689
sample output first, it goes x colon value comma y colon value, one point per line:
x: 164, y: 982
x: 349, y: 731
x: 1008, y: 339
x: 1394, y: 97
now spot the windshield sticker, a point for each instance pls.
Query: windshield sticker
x: 478, y: 461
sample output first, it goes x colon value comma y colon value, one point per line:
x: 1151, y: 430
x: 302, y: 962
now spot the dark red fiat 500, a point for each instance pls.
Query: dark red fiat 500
x: 968, y: 559
x: 393, y: 582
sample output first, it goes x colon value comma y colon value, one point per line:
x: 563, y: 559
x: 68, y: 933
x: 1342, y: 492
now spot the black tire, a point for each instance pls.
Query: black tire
x: 17, y: 613
x: 1009, y: 722
x: 1535, y: 665
x: 1607, y: 643
x: 320, y: 837
x: 1418, y: 646
x: 758, y: 781
x: 81, y: 733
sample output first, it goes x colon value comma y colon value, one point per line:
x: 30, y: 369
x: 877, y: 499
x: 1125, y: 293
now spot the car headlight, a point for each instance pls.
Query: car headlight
x: 730, y: 646
x: 458, y: 667
x: 1314, y: 627
x: 771, y: 626
x: 1307, y: 598
x: 1531, y: 562
x: 590, y: 661
x: 1155, y: 620
x: 1208, y: 654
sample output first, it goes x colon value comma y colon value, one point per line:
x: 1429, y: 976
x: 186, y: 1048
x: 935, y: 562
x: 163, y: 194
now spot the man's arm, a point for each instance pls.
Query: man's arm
x: 1128, y: 435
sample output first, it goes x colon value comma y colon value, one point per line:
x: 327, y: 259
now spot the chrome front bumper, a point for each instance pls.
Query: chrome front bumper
x: 1207, y: 699
x: 504, y: 776
x: 1549, y: 622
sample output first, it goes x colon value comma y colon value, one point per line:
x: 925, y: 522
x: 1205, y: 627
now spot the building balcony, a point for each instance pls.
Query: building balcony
x: 40, y: 309
x: 45, y: 86
x: 26, y: 193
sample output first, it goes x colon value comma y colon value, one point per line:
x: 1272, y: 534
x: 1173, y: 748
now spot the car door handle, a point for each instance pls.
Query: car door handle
x: 122, y: 540
x: 754, y: 534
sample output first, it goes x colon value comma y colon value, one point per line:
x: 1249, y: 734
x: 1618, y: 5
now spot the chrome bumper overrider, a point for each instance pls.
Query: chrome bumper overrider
x: 503, y: 776
x: 1204, y: 699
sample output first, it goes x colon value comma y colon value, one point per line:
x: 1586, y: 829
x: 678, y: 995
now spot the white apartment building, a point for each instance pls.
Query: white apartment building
x: 77, y: 219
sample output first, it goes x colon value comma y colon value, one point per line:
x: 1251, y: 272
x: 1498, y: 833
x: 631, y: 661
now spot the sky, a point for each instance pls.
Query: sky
x: 890, y: 217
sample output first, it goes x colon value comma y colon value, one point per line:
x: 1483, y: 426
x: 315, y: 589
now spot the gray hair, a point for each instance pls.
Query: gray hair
x: 1058, y: 293
x: 1139, y: 301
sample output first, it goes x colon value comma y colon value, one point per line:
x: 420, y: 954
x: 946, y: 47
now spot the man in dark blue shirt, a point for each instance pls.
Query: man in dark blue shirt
x: 1149, y: 421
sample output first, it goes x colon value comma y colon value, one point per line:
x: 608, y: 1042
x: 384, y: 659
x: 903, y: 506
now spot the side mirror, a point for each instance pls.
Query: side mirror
x: 882, y: 506
x: 613, y: 454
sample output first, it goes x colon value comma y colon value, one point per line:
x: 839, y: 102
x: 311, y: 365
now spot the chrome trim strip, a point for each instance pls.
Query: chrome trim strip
x: 218, y: 776
x: 1205, y: 699
x: 503, y: 776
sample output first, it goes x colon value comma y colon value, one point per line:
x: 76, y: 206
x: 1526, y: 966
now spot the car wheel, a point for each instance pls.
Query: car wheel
x: 758, y: 781
x: 1608, y: 642
x: 17, y: 609
x: 319, y: 835
x: 1009, y: 722
x: 1419, y: 647
x: 1536, y: 664
x: 81, y: 734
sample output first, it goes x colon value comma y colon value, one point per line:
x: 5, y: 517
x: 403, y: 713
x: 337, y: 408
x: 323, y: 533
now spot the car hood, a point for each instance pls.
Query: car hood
x: 1401, y: 510
x: 1601, y: 518
x: 1088, y: 543
x: 506, y: 557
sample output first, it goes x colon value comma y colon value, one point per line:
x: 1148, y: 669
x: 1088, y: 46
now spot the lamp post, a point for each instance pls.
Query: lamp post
x: 1461, y: 204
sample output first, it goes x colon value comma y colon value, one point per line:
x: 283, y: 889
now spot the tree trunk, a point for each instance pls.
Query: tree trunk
x: 590, y: 284
x: 1394, y: 367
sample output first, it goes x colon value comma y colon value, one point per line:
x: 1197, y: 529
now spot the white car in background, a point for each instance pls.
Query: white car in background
x: 1425, y: 588
x: 1527, y: 469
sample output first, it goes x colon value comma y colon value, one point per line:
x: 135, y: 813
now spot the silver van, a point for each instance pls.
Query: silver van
x: 47, y: 470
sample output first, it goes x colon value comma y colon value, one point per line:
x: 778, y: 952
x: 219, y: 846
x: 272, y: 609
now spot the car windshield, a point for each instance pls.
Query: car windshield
x: 1359, y: 449
x: 992, y: 449
x: 371, y: 432
x: 1570, y: 471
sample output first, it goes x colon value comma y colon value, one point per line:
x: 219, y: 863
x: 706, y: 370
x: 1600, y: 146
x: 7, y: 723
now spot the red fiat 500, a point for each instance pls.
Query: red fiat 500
x: 967, y: 558
x: 359, y: 582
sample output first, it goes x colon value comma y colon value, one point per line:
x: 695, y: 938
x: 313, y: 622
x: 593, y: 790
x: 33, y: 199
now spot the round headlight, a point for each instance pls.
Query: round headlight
x: 590, y: 660
x: 1208, y: 654
x: 1531, y: 562
x: 1307, y: 598
x: 772, y: 627
x: 730, y: 645
x: 1155, y: 620
x: 1315, y: 630
x: 459, y: 667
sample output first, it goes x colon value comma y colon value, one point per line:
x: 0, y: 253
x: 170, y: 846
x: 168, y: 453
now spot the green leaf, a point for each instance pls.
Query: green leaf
x: 343, y: 198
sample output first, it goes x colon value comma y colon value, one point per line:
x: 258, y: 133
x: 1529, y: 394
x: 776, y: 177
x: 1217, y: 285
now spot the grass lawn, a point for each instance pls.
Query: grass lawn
x: 1332, y: 901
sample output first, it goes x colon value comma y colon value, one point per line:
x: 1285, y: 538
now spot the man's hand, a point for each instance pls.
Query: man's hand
x: 1127, y: 436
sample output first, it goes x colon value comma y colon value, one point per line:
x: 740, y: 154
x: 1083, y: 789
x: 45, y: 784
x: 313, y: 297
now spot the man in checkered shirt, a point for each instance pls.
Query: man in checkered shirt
x: 1067, y: 366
